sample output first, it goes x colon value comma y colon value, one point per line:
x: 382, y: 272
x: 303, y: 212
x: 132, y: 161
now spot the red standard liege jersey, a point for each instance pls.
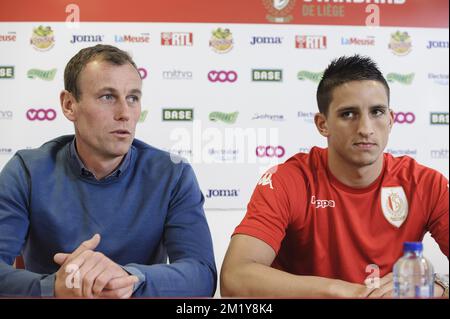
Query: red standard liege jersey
x: 320, y: 227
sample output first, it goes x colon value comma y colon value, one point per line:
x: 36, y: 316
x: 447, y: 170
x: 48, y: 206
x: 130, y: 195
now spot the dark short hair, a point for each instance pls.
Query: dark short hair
x: 100, y: 52
x: 343, y: 70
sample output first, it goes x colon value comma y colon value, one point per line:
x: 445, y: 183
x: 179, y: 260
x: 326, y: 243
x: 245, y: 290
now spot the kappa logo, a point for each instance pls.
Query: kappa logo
x: 394, y: 204
x: 265, y: 180
x: 322, y: 203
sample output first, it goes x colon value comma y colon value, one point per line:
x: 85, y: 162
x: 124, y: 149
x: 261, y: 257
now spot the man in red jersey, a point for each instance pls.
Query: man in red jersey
x: 321, y: 223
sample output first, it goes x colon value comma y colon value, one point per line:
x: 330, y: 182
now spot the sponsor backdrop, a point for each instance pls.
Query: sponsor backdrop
x: 229, y: 86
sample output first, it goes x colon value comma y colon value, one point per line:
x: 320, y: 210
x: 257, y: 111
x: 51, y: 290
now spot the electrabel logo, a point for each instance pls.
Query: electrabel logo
x: 211, y: 193
x: 437, y: 45
x: 178, y: 114
x: 311, y: 42
x: 6, y: 72
x: 222, y: 76
x: 143, y: 38
x: 6, y: 115
x: 406, y: 79
x: 179, y: 39
x: 81, y: 38
x: 439, y: 154
x: 267, y: 75
x: 368, y: 41
x: 438, y: 78
x: 41, y: 114
x: 308, y: 117
x: 9, y: 37
x: 266, y: 40
x: 5, y: 151
x: 270, y: 151
x: 402, y: 118
x: 177, y: 75
x: 439, y: 118
x: 223, y: 154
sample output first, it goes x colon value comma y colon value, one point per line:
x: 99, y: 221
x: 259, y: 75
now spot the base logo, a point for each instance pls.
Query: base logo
x: 221, y: 40
x: 43, y: 38
x: 268, y: 75
x: 439, y: 118
x: 279, y: 11
x: 400, y: 43
x: 6, y: 72
x: 178, y: 114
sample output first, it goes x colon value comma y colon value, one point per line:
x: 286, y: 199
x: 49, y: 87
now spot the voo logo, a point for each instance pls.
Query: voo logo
x: 402, y: 118
x: 322, y: 203
x: 41, y: 114
x: 270, y: 151
x: 222, y: 76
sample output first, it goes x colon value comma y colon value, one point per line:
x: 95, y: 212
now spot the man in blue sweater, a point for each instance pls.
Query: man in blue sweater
x: 99, y: 213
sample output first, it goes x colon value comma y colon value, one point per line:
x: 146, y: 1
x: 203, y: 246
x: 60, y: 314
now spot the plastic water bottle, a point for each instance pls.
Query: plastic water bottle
x: 413, y: 273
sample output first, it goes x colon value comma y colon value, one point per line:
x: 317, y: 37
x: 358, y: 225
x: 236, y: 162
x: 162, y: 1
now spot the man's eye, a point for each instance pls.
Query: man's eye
x: 378, y: 112
x: 347, y: 115
x: 133, y: 98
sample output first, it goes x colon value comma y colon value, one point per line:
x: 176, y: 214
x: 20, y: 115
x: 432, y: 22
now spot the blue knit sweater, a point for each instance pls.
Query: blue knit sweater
x: 149, y: 209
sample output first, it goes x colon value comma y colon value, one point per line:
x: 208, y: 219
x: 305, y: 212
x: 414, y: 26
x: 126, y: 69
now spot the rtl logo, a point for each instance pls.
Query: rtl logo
x: 177, y: 39
x: 311, y: 42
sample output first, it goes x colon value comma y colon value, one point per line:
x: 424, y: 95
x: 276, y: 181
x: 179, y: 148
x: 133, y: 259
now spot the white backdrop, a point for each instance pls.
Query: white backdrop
x: 277, y: 114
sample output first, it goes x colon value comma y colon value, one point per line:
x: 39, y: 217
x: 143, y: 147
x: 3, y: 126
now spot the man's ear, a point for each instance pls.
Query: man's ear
x: 68, y: 104
x: 321, y: 123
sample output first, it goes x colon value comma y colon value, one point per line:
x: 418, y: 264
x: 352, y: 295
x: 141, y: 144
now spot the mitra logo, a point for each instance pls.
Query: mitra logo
x: 311, y: 42
x: 178, y: 114
x: 268, y: 75
x: 177, y: 75
x: 179, y: 39
x: 222, y: 193
x: 6, y: 115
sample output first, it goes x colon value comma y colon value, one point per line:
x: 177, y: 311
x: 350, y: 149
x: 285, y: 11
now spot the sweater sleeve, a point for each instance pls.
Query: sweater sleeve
x: 191, y: 270
x: 14, y: 223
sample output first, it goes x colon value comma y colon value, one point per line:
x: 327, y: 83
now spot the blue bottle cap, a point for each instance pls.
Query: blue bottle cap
x: 413, y: 246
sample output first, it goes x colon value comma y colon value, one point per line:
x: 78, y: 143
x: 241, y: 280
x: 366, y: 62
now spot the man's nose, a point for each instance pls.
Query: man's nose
x: 122, y: 110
